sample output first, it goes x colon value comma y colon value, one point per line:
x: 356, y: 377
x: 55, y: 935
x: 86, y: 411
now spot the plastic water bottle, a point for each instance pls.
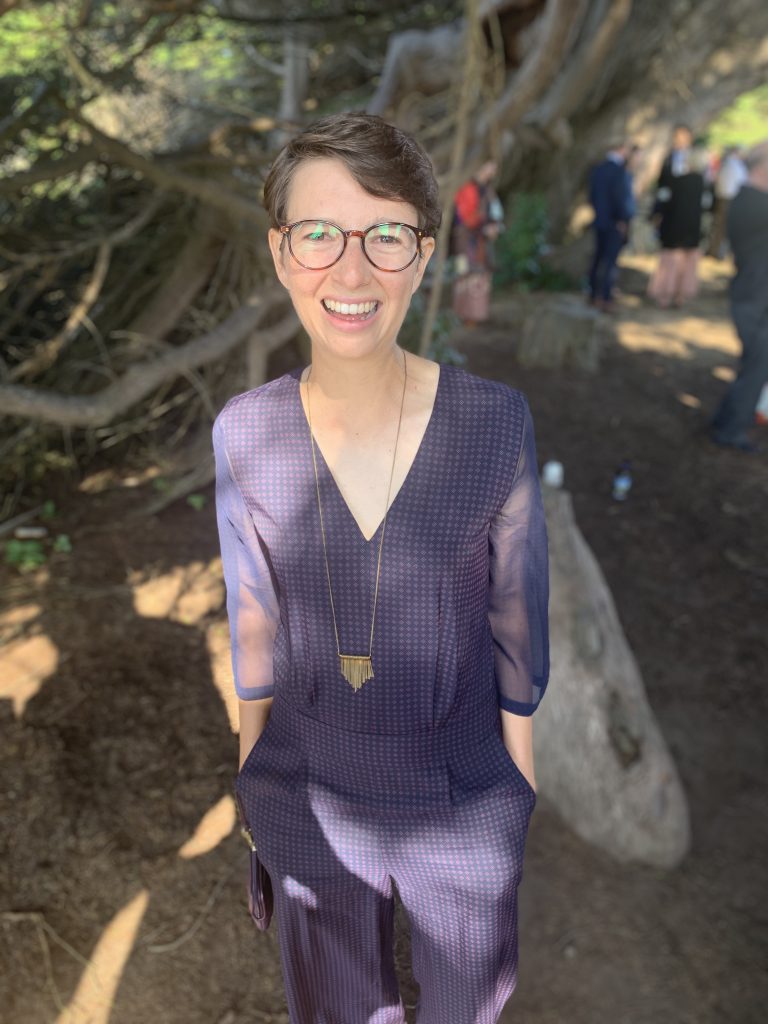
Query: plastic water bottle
x: 552, y: 474
x: 622, y: 481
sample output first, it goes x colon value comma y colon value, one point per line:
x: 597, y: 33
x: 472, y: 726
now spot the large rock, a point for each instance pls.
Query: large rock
x: 564, y: 331
x: 601, y: 759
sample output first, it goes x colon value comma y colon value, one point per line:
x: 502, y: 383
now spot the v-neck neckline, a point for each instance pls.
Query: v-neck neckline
x: 327, y: 469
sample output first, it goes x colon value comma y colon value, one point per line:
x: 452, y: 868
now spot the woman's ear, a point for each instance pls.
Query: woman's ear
x: 277, y: 248
x: 427, y: 248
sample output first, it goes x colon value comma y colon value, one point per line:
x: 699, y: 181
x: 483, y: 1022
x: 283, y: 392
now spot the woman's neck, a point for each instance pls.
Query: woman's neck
x: 369, y: 384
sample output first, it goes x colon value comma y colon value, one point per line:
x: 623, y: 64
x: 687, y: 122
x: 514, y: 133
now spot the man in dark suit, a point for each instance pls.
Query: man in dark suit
x: 610, y: 193
x: 748, y: 237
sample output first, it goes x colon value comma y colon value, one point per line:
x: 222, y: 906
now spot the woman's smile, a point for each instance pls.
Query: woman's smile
x: 351, y: 311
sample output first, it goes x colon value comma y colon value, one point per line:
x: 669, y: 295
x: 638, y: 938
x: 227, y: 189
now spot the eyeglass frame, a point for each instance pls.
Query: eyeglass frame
x: 421, y: 233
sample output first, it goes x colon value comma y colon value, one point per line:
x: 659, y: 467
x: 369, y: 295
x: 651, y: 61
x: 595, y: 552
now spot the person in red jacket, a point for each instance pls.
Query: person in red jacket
x: 477, y: 222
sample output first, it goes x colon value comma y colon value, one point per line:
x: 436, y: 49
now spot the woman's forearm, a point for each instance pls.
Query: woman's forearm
x: 517, y: 733
x: 253, y: 718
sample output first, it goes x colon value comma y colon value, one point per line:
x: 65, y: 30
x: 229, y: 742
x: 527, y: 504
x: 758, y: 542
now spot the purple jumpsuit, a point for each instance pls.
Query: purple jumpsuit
x: 406, y: 779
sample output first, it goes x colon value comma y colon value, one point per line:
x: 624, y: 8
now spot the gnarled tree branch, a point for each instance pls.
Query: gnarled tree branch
x: 211, y: 193
x: 539, y: 68
x: 571, y: 87
x: 47, y: 353
x: 102, y: 407
x: 49, y: 170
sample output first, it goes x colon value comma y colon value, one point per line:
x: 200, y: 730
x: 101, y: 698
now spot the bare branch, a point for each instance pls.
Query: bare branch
x: 212, y: 193
x: 468, y: 96
x: 117, y: 238
x: 539, y: 68
x: 570, y: 89
x: 272, y: 66
x: 87, y: 80
x: 24, y: 109
x: 192, y: 268
x: 47, y: 354
x: 49, y: 170
x: 102, y: 407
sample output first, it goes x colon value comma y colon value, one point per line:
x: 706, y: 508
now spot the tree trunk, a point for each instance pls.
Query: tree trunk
x: 593, y: 72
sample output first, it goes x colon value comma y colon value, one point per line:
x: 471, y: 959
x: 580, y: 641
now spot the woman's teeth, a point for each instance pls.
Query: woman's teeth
x: 350, y: 308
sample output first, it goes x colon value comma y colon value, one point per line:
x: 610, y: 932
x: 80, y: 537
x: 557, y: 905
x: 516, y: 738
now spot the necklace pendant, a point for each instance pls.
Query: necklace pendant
x: 356, y: 669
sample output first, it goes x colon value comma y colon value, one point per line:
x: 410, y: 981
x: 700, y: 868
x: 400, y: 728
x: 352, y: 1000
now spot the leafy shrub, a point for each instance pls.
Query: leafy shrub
x: 446, y: 322
x: 522, y: 248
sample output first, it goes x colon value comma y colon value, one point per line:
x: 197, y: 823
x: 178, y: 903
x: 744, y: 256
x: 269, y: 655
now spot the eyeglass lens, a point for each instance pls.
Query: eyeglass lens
x: 317, y: 244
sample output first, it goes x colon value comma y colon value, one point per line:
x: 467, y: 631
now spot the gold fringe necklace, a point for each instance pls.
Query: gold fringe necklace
x: 356, y: 668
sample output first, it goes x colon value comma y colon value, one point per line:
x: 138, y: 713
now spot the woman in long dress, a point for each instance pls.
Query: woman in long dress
x: 385, y: 555
x: 682, y: 196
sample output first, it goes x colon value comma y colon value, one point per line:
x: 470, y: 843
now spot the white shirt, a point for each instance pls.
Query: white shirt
x: 731, y: 177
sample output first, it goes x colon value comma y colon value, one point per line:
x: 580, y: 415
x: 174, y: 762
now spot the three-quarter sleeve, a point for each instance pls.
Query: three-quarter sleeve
x: 519, y: 586
x: 252, y: 604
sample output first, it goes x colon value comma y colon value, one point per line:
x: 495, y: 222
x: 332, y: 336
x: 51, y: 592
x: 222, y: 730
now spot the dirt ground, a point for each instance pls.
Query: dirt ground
x: 121, y: 878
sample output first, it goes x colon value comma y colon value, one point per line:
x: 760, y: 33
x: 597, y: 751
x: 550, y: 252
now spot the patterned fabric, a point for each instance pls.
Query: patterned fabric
x: 407, y: 780
x: 338, y: 816
x: 468, y: 512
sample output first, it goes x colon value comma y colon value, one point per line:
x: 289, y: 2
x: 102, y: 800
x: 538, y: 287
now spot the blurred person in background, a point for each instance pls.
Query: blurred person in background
x: 612, y: 199
x: 478, y: 221
x: 682, y: 195
x: 748, y: 236
x: 731, y: 175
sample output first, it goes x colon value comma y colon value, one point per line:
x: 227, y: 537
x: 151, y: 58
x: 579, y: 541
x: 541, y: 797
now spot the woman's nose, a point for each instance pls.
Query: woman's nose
x: 353, y: 268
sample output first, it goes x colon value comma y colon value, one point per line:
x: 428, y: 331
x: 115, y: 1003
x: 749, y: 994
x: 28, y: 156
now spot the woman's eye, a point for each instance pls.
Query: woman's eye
x: 321, y: 233
x: 387, y: 235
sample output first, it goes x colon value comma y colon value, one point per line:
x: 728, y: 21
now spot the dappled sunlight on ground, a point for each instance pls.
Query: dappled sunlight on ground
x: 676, y: 334
x: 217, y: 641
x: 186, y: 594
x: 215, y: 826
x: 189, y: 594
x: 701, y: 329
x: 95, y: 993
x: 26, y: 660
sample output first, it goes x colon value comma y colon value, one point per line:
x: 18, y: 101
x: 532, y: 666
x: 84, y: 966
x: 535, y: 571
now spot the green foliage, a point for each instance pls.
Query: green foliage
x: 209, y: 47
x: 31, y: 40
x: 446, y: 323
x: 744, y: 123
x: 24, y: 555
x: 197, y: 501
x: 28, y: 555
x: 521, y: 249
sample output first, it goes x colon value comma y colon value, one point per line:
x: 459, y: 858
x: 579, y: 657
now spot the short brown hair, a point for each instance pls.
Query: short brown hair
x: 385, y: 161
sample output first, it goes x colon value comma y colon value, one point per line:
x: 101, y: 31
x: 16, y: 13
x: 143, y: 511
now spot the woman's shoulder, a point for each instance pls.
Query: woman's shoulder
x: 489, y: 398
x: 258, y: 403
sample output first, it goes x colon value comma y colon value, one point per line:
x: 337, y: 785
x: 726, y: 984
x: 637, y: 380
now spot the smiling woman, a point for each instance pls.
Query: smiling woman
x: 385, y: 554
x: 330, y: 266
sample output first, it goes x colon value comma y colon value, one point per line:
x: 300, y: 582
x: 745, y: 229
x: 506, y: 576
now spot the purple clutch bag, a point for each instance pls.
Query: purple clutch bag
x: 260, y: 898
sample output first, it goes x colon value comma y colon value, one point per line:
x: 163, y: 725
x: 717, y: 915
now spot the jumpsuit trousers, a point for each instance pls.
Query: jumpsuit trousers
x: 405, y: 782
x: 340, y: 816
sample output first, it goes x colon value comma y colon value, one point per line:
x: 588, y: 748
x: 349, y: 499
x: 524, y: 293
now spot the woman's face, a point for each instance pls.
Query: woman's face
x: 323, y: 189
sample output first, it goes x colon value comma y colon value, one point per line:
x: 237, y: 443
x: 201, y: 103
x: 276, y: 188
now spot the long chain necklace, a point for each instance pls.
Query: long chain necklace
x: 356, y: 668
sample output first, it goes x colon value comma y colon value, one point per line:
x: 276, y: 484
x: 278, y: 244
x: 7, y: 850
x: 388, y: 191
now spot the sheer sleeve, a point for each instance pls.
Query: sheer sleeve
x: 252, y: 604
x: 519, y: 586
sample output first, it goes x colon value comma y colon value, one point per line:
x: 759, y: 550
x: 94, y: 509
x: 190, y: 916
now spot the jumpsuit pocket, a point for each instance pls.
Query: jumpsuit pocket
x: 256, y: 749
x: 511, y: 765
